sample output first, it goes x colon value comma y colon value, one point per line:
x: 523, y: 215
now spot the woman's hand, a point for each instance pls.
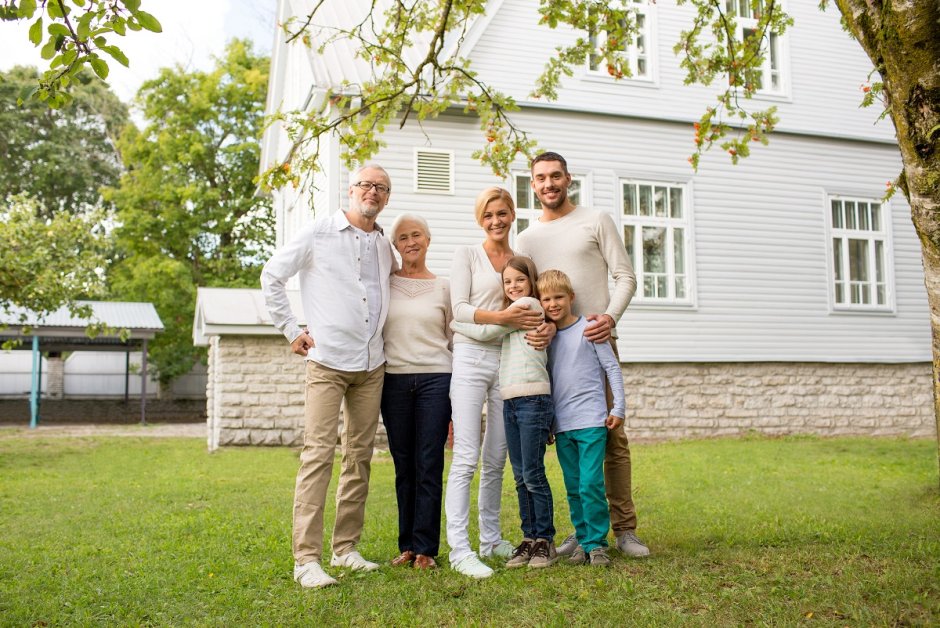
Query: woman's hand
x: 520, y: 317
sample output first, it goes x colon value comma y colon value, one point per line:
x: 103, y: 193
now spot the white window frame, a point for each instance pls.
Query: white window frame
x: 845, y: 221
x: 632, y: 52
x: 532, y: 209
x: 776, y: 49
x: 668, y: 221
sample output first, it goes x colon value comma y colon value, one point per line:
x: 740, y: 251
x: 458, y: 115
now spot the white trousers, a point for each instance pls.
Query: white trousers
x: 475, y: 380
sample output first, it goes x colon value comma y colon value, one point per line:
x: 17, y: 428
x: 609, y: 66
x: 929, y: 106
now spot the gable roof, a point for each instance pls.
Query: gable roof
x: 240, y: 311
x: 140, y: 318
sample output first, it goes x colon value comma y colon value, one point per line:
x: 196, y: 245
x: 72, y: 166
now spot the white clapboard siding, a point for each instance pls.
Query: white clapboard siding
x: 826, y: 70
x: 760, y: 257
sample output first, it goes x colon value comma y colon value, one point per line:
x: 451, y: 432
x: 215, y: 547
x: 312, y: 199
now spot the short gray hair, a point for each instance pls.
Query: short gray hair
x: 413, y: 218
x: 354, y: 175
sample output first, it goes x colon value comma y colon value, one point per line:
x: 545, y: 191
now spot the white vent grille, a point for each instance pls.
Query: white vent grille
x: 434, y: 171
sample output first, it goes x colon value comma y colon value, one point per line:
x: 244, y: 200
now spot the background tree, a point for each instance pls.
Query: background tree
x: 46, y: 263
x: 187, y: 209
x: 59, y: 157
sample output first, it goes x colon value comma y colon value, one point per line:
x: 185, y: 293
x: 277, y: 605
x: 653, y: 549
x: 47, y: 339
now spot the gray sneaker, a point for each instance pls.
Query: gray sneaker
x: 521, y: 555
x: 578, y: 557
x: 598, y: 557
x: 544, y: 554
x: 568, y: 546
x: 630, y: 545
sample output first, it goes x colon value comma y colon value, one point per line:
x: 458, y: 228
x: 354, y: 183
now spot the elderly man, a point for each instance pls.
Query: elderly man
x: 343, y: 261
x: 585, y: 244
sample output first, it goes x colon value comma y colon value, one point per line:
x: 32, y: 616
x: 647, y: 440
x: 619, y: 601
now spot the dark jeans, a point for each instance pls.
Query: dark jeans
x: 528, y: 421
x: 416, y: 412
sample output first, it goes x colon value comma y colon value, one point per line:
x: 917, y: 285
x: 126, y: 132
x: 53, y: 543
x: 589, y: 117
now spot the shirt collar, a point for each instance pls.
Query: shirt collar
x: 340, y: 222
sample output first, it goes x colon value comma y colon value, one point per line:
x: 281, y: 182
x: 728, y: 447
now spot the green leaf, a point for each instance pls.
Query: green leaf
x: 48, y: 51
x: 148, y: 21
x: 58, y: 29
x: 116, y: 54
x: 100, y: 67
x: 35, y: 32
x: 54, y: 9
x: 27, y: 8
x: 132, y: 5
x: 117, y: 23
x: 84, y: 25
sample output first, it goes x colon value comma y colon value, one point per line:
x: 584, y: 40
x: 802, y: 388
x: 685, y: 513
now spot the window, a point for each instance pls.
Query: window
x: 770, y: 77
x: 528, y: 206
x: 656, y: 230
x: 638, y: 52
x: 861, y: 279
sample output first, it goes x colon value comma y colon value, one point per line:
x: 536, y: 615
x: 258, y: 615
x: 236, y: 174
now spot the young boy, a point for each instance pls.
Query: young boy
x: 578, y: 367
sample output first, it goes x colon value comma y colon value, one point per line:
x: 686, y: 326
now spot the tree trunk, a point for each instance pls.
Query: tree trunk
x: 902, y: 38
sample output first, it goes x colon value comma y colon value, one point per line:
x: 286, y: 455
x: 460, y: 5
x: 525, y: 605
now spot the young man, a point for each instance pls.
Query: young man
x: 343, y: 261
x: 586, y: 245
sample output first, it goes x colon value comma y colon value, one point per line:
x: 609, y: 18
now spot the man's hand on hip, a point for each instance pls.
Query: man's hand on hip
x: 302, y: 343
x: 600, y: 330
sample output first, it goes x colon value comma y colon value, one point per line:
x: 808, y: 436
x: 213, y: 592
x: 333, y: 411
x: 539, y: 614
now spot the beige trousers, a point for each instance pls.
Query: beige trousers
x: 326, y: 389
x: 617, y: 473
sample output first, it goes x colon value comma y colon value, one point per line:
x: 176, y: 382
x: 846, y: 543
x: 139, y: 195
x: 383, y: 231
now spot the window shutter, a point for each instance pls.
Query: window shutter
x: 434, y: 171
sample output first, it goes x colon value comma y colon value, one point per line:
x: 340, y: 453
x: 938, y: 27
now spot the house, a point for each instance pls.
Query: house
x: 779, y: 295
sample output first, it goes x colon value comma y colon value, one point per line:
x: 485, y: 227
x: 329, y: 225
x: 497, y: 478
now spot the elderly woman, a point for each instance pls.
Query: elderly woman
x: 477, y: 297
x: 415, y: 397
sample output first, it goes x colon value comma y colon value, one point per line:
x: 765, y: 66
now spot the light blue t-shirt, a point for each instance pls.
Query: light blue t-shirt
x: 578, y: 369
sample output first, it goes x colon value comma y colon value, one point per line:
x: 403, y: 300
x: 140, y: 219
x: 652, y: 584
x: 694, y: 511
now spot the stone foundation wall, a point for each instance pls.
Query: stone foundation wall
x: 667, y: 401
x: 255, y: 397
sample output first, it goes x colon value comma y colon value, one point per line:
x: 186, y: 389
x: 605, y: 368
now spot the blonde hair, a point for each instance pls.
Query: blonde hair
x: 410, y: 218
x: 554, y: 281
x: 525, y: 266
x: 489, y: 195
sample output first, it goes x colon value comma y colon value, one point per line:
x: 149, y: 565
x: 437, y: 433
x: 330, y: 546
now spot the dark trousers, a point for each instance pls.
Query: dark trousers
x: 416, y: 412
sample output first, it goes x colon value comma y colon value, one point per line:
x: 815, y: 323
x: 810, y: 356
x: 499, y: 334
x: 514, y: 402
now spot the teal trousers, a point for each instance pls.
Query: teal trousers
x: 581, y: 455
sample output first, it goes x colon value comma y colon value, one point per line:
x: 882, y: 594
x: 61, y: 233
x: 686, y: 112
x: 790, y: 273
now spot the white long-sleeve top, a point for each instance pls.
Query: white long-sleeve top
x: 587, y: 246
x: 332, y: 260
x: 474, y: 285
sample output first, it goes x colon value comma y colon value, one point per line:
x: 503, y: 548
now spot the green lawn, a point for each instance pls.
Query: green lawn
x: 769, y: 531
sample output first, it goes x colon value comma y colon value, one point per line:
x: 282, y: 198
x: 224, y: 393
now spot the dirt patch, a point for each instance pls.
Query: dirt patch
x: 103, y: 411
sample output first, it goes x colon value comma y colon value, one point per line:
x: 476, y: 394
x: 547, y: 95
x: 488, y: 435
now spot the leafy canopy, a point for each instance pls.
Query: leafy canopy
x: 187, y: 209
x: 59, y: 157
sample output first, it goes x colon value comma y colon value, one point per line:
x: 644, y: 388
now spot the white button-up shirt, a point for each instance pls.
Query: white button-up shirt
x: 340, y: 308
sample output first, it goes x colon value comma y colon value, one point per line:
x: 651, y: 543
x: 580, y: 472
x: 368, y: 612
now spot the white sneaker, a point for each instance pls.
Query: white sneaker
x: 312, y: 576
x: 473, y: 567
x: 500, y: 549
x: 568, y: 546
x: 353, y: 560
x: 630, y: 545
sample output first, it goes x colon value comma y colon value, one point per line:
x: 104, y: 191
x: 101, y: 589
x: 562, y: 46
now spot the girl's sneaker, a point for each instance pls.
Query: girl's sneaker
x: 543, y: 554
x: 598, y: 557
x: 522, y: 554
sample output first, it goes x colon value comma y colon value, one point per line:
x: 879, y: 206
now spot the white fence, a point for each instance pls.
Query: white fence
x: 95, y: 374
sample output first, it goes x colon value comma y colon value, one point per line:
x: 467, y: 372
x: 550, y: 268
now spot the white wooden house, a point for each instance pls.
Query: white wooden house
x: 778, y: 295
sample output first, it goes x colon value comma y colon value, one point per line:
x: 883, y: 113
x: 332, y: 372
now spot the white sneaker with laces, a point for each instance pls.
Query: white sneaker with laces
x: 630, y: 545
x: 353, y: 560
x: 473, y: 567
x: 500, y: 549
x: 568, y: 546
x: 312, y: 576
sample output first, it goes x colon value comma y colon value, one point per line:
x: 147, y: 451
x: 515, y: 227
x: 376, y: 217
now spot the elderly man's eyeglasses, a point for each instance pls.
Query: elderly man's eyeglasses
x: 365, y: 186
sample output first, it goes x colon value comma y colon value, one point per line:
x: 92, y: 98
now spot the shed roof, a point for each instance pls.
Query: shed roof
x: 241, y: 311
x: 61, y: 330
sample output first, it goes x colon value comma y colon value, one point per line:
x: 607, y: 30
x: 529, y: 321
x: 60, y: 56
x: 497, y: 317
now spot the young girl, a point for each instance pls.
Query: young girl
x: 527, y: 415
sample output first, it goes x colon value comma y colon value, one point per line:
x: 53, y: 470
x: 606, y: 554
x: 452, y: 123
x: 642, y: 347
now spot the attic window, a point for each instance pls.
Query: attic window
x: 434, y: 171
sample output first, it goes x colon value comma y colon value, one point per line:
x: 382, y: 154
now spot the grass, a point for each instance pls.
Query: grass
x: 126, y: 531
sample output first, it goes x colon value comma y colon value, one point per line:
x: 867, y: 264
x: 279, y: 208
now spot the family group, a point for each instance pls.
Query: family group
x: 525, y: 331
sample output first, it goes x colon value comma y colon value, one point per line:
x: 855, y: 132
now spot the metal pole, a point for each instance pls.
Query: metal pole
x: 127, y: 377
x: 143, y: 383
x: 34, y: 387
